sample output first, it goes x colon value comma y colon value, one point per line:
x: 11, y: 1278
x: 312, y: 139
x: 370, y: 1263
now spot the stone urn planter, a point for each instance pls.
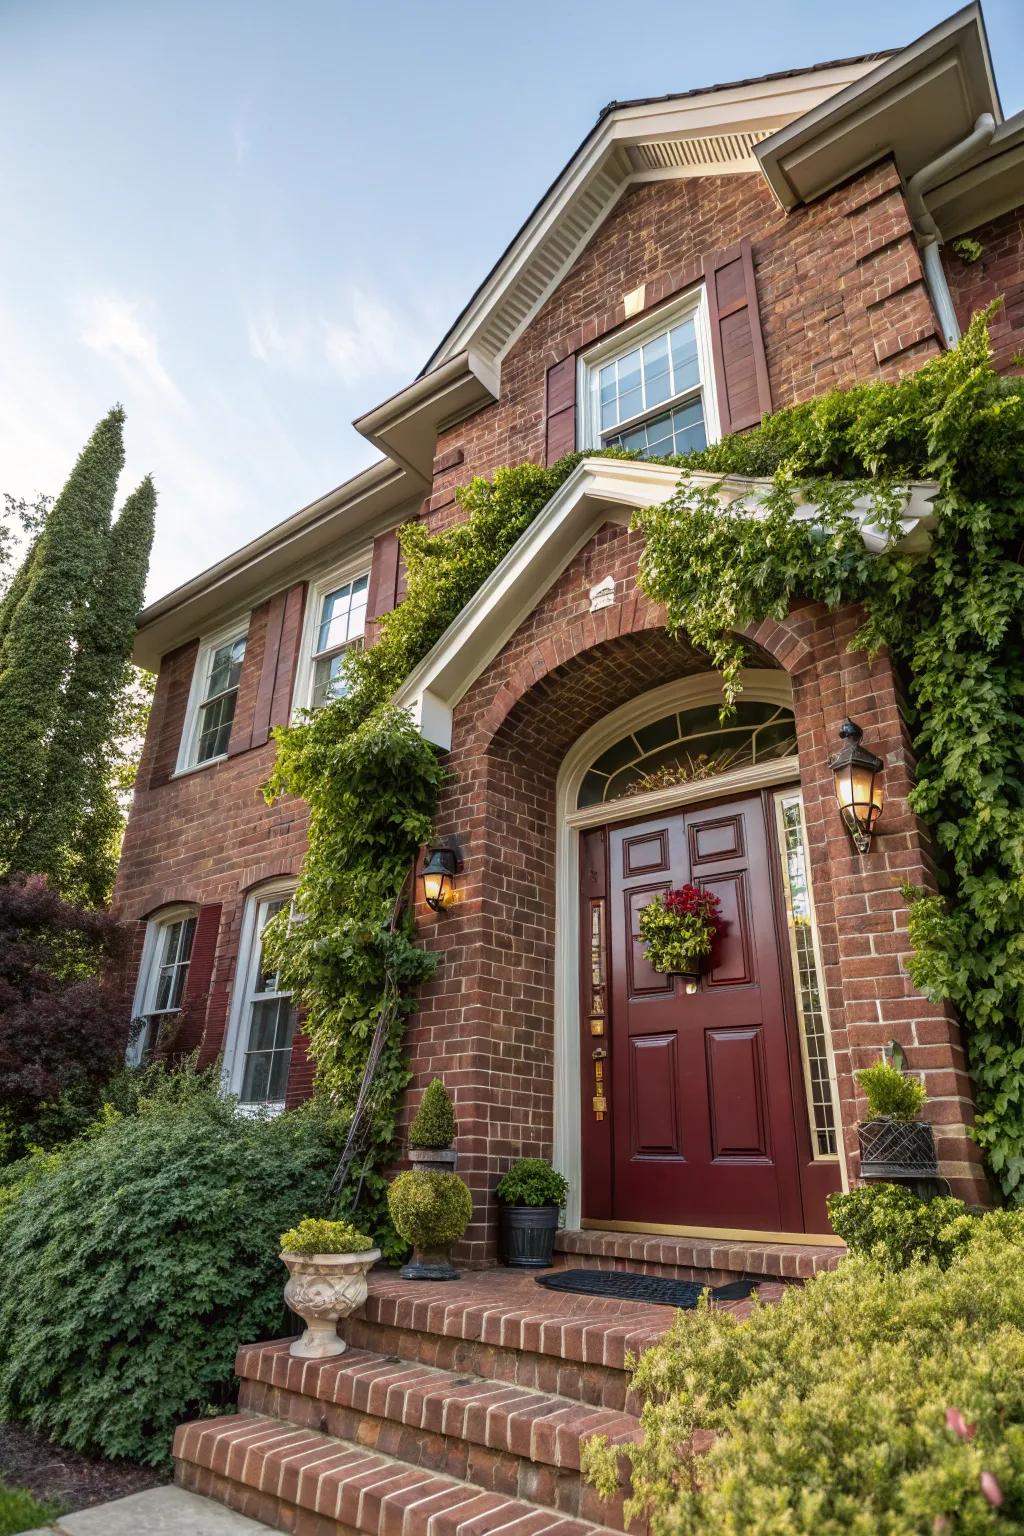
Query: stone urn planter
x: 328, y: 1262
x: 323, y: 1289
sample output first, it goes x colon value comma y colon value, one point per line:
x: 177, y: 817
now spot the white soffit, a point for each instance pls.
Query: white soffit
x: 599, y: 490
x: 992, y: 185
x: 914, y: 105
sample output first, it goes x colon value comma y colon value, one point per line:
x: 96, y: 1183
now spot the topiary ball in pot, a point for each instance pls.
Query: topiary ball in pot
x: 532, y: 1194
x: 433, y: 1129
x: 431, y: 1211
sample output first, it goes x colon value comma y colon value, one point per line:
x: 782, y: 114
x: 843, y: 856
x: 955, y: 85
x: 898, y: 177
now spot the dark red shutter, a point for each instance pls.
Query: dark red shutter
x: 273, y: 702
x: 200, y: 976
x: 385, y: 570
x: 560, y: 410
x: 741, y: 373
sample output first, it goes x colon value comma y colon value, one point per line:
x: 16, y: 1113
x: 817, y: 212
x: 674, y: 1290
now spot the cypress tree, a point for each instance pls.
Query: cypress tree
x: 41, y: 630
x: 79, y: 832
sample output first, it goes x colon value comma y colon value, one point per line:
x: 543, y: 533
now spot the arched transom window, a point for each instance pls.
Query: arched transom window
x: 688, y: 745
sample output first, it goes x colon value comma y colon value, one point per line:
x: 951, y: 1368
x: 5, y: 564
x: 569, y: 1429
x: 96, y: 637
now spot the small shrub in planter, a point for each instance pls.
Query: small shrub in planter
x: 894, y: 1227
x: 894, y: 1144
x: 433, y: 1129
x: 532, y: 1194
x: 431, y: 1211
x: 327, y: 1264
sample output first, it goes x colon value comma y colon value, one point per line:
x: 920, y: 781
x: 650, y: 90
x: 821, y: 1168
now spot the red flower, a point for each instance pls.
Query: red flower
x: 691, y: 901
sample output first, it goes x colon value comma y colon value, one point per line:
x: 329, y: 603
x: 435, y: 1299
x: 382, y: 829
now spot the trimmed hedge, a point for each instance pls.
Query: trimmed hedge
x: 868, y: 1403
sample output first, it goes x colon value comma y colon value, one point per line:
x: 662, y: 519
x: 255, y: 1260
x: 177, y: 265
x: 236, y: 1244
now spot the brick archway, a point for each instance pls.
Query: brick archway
x: 486, y: 1023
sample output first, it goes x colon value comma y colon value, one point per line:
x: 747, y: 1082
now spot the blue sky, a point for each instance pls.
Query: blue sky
x: 252, y: 221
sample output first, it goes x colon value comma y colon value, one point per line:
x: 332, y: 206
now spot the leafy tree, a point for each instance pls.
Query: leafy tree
x: 65, y: 638
x: 62, y: 1031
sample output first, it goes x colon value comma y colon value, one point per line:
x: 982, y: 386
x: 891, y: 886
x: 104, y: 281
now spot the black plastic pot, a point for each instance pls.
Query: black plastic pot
x: 528, y: 1235
x: 897, y: 1150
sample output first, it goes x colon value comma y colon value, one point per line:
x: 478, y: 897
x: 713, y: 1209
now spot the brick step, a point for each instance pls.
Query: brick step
x: 501, y: 1325
x: 713, y: 1261
x: 503, y: 1438
x: 310, y: 1484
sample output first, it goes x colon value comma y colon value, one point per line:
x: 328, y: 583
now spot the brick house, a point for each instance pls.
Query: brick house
x: 703, y: 259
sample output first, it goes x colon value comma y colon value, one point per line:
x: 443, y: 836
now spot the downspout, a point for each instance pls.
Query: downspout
x: 927, y: 231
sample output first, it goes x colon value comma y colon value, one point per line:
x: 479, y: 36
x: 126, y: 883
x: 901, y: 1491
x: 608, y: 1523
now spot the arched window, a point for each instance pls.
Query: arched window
x: 688, y: 745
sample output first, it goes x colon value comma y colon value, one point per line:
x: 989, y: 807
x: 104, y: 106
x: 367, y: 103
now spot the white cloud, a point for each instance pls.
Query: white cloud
x: 114, y: 328
x: 275, y: 341
x: 374, y: 339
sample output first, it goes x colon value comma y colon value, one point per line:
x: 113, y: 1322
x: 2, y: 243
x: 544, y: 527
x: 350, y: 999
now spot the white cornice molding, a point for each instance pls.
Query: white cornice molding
x: 599, y: 490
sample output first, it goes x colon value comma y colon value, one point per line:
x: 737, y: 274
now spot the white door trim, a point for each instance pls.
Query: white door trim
x: 762, y: 685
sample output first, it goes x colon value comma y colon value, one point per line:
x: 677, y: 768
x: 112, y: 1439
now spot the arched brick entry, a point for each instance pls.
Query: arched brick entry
x: 487, y: 1021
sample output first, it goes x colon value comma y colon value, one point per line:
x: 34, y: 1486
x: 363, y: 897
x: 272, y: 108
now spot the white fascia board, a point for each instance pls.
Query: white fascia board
x: 598, y: 491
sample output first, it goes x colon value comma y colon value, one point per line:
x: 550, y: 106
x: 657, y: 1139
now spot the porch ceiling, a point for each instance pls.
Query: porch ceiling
x: 599, y: 490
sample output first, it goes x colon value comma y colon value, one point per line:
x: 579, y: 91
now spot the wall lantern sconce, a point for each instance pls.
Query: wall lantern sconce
x: 857, y: 774
x: 438, y: 876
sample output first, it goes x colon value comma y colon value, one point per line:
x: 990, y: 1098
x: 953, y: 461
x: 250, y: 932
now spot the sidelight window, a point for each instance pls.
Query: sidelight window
x: 807, y: 977
x: 686, y: 746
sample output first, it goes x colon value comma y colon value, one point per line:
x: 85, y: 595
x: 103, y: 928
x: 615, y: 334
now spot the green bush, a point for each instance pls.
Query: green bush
x: 865, y: 1404
x: 434, y: 1122
x: 137, y: 1259
x: 21, y: 1511
x: 891, y: 1094
x: 312, y: 1236
x: 532, y: 1181
x: 430, y: 1210
x: 895, y: 1227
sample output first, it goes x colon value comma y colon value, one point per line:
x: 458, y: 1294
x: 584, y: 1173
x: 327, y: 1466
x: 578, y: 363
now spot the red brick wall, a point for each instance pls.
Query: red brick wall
x: 840, y: 288
x: 208, y: 836
x: 487, y: 1021
x: 997, y: 274
x: 841, y: 298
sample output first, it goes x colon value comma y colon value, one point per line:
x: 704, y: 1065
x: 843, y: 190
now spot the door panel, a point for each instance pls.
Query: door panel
x: 654, y: 1110
x: 701, y: 1105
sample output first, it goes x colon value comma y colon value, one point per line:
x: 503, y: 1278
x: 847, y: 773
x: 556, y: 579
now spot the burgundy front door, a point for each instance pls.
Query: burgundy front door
x: 702, y: 1101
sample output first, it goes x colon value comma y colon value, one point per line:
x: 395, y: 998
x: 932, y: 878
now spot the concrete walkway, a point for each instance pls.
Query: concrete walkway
x: 157, y: 1512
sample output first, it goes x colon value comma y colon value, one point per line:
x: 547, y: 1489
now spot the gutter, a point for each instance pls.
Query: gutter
x: 928, y: 234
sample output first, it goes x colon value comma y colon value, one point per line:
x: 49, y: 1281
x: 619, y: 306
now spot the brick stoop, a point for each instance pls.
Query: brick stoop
x: 459, y: 1409
x: 714, y: 1260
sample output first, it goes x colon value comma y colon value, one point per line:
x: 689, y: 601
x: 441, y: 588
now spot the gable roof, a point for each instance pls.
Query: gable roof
x: 599, y: 490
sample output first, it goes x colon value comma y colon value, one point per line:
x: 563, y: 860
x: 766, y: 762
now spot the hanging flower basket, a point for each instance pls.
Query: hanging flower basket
x: 679, y: 929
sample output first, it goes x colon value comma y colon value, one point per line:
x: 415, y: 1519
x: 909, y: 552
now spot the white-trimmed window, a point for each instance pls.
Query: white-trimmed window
x: 649, y: 388
x: 163, y: 974
x: 261, y: 1028
x: 213, y: 697
x: 335, y: 625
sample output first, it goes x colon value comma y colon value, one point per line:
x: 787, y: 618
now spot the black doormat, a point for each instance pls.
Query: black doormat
x: 624, y: 1285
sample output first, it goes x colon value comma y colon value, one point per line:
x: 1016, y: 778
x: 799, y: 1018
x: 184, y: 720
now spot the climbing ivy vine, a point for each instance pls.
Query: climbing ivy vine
x: 950, y: 617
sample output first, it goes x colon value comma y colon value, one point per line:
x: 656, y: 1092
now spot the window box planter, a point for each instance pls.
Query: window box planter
x: 892, y: 1150
x: 323, y: 1289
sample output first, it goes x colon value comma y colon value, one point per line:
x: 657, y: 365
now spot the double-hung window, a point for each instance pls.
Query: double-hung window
x: 166, y: 954
x: 649, y: 388
x: 335, y: 625
x: 214, y: 697
x: 262, y: 1027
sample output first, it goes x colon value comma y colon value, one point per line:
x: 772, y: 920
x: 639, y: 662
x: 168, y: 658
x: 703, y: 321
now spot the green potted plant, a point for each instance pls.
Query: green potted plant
x: 432, y: 1131
x: 327, y: 1264
x: 531, y: 1195
x: 431, y: 1211
x: 679, y: 929
x: 895, y: 1144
